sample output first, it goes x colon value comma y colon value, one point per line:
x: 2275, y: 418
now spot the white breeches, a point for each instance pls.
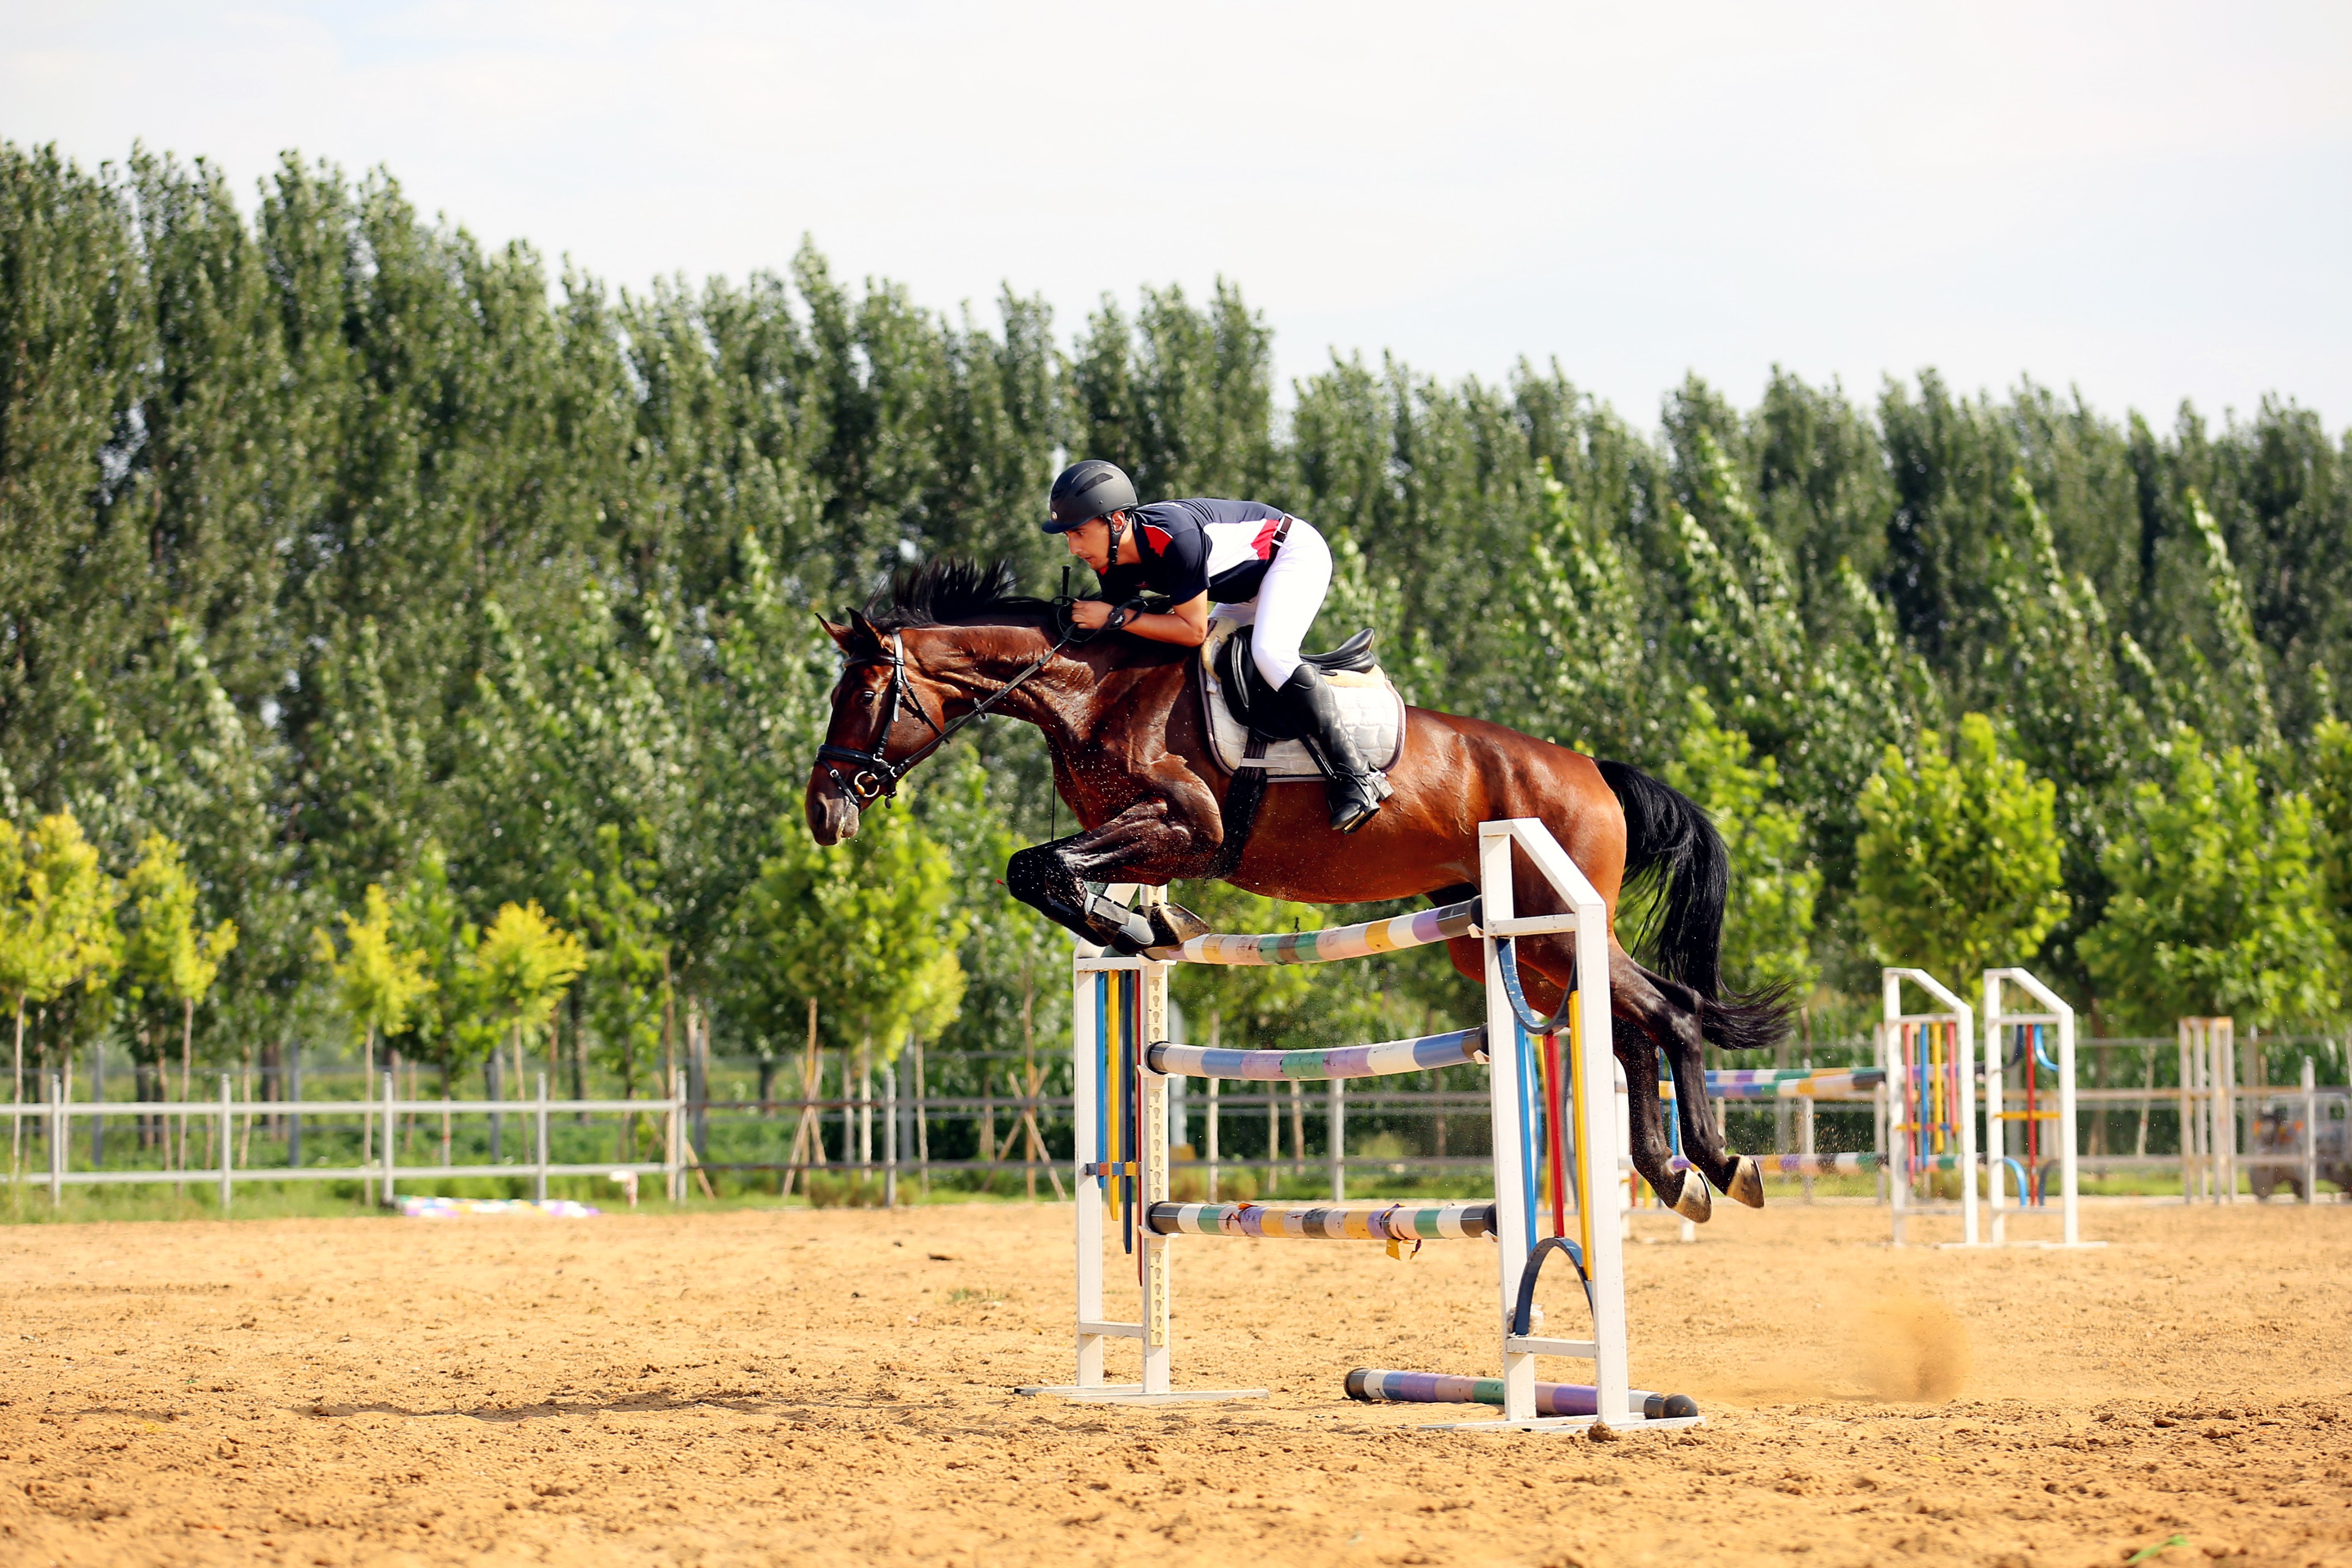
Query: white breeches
x: 1288, y: 597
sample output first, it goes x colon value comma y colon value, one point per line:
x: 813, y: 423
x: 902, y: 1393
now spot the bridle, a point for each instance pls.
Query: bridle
x: 876, y: 776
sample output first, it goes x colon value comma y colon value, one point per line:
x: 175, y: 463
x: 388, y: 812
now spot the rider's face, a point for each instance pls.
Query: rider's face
x: 1090, y: 542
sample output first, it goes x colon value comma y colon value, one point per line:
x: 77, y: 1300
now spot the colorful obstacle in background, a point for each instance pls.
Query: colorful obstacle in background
x: 1929, y: 1119
x: 460, y: 1208
x: 1554, y: 1139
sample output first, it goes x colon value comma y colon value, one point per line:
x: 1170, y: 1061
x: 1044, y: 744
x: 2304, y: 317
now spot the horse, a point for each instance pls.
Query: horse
x: 1132, y: 759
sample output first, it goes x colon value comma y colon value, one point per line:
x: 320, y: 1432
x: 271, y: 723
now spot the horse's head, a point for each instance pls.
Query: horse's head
x: 952, y: 639
x: 885, y: 707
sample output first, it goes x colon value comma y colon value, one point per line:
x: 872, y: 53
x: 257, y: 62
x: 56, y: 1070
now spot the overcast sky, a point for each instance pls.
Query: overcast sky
x: 2148, y: 201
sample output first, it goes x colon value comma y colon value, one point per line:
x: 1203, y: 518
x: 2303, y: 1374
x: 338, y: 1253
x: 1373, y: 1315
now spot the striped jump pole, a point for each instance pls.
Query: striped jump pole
x: 1393, y: 1222
x: 1860, y: 1083
x: 1423, y: 1053
x: 1372, y: 1385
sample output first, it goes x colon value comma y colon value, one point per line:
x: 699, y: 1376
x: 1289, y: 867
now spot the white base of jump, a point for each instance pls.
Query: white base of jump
x: 1133, y: 1394
x: 1567, y: 1424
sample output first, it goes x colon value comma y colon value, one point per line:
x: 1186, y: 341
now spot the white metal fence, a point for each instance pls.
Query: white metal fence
x: 383, y: 1172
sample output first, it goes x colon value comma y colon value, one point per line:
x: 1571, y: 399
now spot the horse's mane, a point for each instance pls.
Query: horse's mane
x: 947, y: 589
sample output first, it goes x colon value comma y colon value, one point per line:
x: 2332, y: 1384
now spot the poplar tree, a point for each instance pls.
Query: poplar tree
x: 1958, y: 856
x: 57, y: 928
x: 2219, y: 904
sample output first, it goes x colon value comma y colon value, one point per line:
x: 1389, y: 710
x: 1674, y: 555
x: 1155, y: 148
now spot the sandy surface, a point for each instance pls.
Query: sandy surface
x: 756, y: 1387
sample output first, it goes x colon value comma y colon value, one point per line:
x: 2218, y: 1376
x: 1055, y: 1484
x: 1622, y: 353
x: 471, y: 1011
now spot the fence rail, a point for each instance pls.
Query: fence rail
x: 682, y: 1125
x: 57, y: 1115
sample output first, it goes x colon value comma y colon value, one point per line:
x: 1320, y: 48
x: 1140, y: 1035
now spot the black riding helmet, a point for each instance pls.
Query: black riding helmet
x: 1085, y: 491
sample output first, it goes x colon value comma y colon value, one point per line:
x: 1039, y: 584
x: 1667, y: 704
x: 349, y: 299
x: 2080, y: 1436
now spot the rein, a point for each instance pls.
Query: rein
x: 875, y: 776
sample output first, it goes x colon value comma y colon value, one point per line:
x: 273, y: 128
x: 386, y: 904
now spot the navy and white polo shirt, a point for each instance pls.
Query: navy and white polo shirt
x: 1195, y: 547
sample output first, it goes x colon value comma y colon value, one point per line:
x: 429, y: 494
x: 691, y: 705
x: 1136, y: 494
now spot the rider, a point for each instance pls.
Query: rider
x: 1254, y: 563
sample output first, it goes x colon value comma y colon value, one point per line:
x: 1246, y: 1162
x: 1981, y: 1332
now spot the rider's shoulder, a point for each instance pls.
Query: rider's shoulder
x: 1206, y: 509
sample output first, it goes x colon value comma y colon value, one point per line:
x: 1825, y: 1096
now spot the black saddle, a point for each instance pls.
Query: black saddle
x: 1257, y: 705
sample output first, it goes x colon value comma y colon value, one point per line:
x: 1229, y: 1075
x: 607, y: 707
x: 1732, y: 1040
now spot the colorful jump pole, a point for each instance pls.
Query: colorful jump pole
x: 1930, y: 1060
x: 1372, y: 1385
x: 1123, y: 1060
x: 2055, y: 1015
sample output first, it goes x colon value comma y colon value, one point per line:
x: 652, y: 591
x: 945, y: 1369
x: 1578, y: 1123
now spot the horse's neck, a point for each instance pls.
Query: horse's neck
x: 1072, y: 699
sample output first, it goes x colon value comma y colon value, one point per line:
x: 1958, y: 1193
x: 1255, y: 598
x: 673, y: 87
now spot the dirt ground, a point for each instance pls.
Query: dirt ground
x: 804, y: 1387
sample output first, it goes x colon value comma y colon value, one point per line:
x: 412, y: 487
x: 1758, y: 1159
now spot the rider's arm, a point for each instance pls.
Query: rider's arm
x: 1186, y: 624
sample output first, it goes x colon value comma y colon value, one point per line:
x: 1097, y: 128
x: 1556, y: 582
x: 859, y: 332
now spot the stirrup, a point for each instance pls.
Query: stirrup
x: 1365, y: 792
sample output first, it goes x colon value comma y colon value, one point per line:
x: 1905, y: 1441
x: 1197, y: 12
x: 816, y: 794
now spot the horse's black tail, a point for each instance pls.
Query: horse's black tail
x: 1669, y: 839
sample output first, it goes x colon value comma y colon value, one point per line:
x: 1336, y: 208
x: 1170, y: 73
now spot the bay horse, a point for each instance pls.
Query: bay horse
x: 1132, y: 758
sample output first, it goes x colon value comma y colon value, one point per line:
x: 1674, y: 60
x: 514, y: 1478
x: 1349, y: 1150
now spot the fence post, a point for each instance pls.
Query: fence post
x: 1338, y: 1138
x: 228, y: 1151
x: 923, y: 1122
x: 294, y: 1093
x: 539, y: 1187
x: 57, y: 1140
x: 2188, y: 1120
x: 2310, y: 1133
x: 890, y: 1137
x: 673, y: 1167
x: 2225, y: 1111
x: 391, y: 1120
x: 1805, y: 1136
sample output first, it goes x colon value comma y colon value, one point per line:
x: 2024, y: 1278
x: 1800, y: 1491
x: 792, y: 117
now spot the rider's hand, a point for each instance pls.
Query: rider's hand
x: 1090, y: 614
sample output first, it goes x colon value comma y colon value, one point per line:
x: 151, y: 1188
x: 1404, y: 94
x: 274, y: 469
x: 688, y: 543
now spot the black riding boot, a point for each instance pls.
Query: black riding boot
x: 1356, y: 790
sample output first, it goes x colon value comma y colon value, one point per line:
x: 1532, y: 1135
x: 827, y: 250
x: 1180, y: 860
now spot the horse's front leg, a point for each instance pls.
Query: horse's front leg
x: 1154, y: 841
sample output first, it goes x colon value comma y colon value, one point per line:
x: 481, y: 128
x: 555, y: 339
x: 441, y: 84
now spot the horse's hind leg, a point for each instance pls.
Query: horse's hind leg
x: 1670, y: 1013
x: 1652, y: 1153
x: 1549, y: 964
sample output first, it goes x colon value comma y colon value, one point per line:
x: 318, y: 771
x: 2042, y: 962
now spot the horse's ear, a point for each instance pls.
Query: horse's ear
x: 841, y: 635
x: 863, y: 629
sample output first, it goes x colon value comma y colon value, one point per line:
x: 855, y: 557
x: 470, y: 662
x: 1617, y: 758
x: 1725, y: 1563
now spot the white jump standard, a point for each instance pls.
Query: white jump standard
x: 1123, y: 1062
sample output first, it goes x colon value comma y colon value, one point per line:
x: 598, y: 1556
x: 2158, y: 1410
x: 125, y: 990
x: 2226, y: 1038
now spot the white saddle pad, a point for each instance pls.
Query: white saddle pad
x: 1372, y: 705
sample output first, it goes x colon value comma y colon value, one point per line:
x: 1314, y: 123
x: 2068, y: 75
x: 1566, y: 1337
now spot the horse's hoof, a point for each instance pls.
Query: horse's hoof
x: 1747, y: 1183
x: 1174, y: 925
x: 1693, y: 1202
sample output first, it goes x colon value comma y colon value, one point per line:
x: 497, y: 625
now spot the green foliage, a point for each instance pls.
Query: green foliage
x: 167, y: 958
x: 329, y: 536
x: 1958, y: 857
x: 864, y: 930
x: 2328, y: 770
x: 1769, y: 925
x: 442, y: 1026
x: 627, y: 958
x: 1250, y: 1004
x: 522, y: 967
x: 57, y: 915
x: 376, y: 983
x: 2219, y: 904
